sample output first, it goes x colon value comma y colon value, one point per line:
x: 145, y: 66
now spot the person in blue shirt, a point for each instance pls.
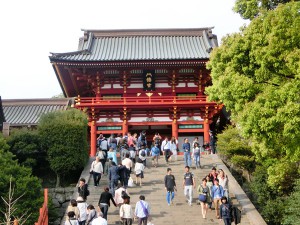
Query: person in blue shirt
x: 217, y: 193
x: 112, y: 154
x: 113, y: 177
x: 186, y: 147
x: 155, y: 152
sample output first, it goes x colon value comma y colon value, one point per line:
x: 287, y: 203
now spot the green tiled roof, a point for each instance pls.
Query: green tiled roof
x: 22, y: 112
x: 125, y: 45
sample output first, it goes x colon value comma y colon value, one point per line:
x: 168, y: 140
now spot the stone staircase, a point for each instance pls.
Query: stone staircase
x: 153, y: 189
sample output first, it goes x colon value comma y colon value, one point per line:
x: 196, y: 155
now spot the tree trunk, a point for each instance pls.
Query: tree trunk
x: 57, y: 180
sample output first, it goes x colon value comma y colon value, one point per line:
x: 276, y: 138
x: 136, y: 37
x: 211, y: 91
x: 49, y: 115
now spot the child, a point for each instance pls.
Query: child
x: 225, y: 211
x: 139, y: 171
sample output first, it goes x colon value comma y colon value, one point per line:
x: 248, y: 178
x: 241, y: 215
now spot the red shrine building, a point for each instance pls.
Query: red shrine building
x: 145, y: 79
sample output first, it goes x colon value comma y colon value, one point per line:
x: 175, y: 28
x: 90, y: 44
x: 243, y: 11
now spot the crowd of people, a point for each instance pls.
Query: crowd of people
x: 134, y: 151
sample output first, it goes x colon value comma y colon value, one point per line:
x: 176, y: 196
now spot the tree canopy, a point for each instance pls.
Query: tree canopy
x: 23, y: 183
x: 63, y: 135
x: 249, y: 9
x: 256, y: 74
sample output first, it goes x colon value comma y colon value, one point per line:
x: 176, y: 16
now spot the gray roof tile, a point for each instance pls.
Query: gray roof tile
x: 142, y: 45
x: 28, y: 111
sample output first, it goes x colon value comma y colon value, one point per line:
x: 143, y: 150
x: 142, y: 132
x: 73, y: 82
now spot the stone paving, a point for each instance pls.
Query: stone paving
x: 153, y: 189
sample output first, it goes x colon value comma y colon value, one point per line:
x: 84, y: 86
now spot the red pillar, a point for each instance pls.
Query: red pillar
x: 125, y: 127
x: 206, y: 131
x: 175, y: 129
x: 93, y: 138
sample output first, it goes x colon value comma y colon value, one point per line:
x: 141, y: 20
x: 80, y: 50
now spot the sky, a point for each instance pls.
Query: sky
x: 31, y: 29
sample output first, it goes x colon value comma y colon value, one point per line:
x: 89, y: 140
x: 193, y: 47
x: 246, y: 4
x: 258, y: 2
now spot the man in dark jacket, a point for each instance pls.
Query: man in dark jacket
x: 113, y: 176
x: 83, y: 189
x: 170, y: 186
x: 104, y: 201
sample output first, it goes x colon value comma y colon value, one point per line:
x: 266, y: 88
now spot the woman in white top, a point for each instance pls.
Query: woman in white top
x: 139, y: 171
x: 82, y: 206
x: 126, y: 212
x: 223, y: 181
x: 173, y: 148
x: 118, y: 195
x: 96, y: 170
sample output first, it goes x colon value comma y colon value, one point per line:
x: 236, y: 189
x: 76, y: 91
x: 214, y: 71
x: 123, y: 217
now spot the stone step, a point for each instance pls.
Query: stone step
x: 153, y: 189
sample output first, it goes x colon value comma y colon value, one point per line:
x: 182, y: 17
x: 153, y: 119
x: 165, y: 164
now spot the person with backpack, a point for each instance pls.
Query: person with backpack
x: 196, y: 155
x: 102, y: 156
x: 83, y: 190
x: 226, y: 211
x: 142, y: 141
x: 139, y: 171
x: 170, y: 186
x: 157, y: 139
x: 188, y: 185
x: 143, y: 155
x: 155, y: 153
x: 112, y: 142
x: 217, y: 193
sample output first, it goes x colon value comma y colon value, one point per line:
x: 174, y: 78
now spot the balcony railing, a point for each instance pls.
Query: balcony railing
x: 142, y: 101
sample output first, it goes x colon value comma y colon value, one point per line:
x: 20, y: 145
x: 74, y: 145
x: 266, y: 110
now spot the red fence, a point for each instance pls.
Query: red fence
x: 43, y: 218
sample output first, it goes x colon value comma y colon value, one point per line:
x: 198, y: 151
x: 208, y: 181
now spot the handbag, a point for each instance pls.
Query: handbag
x: 92, y: 171
x: 202, y: 198
x: 144, y: 209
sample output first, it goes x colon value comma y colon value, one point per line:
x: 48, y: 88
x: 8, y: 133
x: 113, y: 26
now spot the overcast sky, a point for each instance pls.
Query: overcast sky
x: 31, y: 29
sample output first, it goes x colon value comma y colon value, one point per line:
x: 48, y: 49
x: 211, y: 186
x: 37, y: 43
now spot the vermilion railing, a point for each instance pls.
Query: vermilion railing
x: 157, y: 100
x: 43, y: 218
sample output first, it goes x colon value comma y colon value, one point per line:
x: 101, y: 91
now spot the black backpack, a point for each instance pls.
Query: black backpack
x: 157, y: 141
x: 143, y: 153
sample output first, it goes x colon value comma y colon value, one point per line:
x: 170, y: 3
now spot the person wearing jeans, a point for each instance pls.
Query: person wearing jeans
x: 187, y: 152
x: 188, y: 185
x: 170, y: 186
x: 104, y: 201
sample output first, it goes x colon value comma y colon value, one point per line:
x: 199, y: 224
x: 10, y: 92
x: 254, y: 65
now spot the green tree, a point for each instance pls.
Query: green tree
x: 256, y: 74
x: 64, y: 136
x: 236, y: 150
x: 292, y: 213
x: 249, y: 9
x: 25, y: 185
x: 26, y: 146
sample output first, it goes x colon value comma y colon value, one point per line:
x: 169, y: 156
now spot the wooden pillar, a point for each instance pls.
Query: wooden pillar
x: 93, y: 138
x: 174, y: 123
x: 125, y: 127
x: 175, y: 129
x: 206, y: 131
